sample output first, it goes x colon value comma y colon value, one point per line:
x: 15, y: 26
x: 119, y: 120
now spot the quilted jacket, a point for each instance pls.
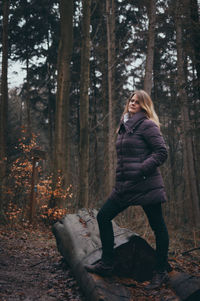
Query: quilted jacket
x: 140, y: 151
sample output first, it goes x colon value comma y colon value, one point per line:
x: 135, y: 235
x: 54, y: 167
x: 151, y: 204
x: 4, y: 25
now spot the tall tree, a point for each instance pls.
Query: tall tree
x: 195, y: 38
x: 34, y: 35
x: 150, y: 47
x: 23, y: 46
x: 110, y: 23
x: 191, y: 195
x: 62, y: 138
x: 84, y: 107
x: 4, y: 93
x: 102, y: 53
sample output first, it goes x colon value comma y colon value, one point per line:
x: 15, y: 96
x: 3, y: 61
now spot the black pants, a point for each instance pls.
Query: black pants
x: 154, y: 214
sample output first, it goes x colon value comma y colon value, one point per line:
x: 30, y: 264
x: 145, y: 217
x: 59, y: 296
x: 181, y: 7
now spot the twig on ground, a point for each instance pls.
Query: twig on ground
x: 186, y: 252
x: 34, y: 265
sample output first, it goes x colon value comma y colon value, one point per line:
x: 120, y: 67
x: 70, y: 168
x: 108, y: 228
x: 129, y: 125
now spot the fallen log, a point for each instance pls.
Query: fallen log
x: 186, y: 286
x: 78, y: 241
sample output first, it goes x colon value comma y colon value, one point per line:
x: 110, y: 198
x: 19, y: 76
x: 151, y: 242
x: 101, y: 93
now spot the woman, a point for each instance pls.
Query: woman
x: 140, y: 150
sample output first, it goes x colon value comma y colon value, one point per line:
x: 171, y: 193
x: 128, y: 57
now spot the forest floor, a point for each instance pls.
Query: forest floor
x: 31, y: 268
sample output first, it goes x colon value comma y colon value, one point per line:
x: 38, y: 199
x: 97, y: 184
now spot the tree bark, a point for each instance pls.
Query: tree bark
x: 27, y: 119
x: 84, y: 107
x: 4, y: 93
x: 110, y: 24
x: 192, y: 197
x: 62, y: 140
x: 27, y: 96
x: 150, y: 47
x: 50, y: 105
x: 195, y: 37
x: 104, y: 94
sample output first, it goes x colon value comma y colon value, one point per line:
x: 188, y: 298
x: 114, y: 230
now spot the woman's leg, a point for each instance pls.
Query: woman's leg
x: 104, y: 217
x: 157, y: 223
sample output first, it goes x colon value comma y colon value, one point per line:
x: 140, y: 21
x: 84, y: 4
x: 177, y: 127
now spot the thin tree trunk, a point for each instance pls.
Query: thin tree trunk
x: 195, y: 37
x: 4, y: 93
x: 50, y: 108
x: 150, y: 47
x: 192, y: 197
x: 96, y: 159
x: 104, y: 94
x: 50, y: 121
x: 27, y: 97
x: 62, y: 140
x: 110, y: 23
x: 27, y: 117
x: 173, y: 141
x: 84, y: 107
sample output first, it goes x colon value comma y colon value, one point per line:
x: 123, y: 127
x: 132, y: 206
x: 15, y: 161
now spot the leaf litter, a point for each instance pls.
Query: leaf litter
x: 33, y: 269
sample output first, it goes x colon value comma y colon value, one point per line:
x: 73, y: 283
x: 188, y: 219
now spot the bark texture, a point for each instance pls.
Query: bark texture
x: 195, y: 37
x: 104, y: 89
x: 191, y: 195
x: 4, y: 93
x: 110, y: 23
x: 150, y: 47
x: 84, y: 107
x: 62, y: 140
x: 27, y: 96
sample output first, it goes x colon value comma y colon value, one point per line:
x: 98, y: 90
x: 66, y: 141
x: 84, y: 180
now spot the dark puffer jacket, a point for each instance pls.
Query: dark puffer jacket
x: 140, y: 150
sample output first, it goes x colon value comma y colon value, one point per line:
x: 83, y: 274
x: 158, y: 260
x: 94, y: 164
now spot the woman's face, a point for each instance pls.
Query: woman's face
x: 134, y: 106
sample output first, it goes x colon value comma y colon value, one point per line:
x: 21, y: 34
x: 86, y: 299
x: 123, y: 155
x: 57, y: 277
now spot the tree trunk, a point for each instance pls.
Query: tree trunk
x: 95, y: 155
x: 50, y: 105
x: 50, y: 123
x: 195, y: 37
x: 110, y: 23
x: 62, y: 140
x: 27, y: 97
x: 191, y: 196
x: 4, y: 93
x: 150, y: 47
x: 84, y: 107
x: 104, y: 94
x: 27, y: 117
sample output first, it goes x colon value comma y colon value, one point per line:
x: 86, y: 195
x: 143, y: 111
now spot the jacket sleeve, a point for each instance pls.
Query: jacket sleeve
x: 156, y: 144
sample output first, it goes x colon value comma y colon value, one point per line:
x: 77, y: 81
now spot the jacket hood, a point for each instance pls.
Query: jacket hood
x: 133, y: 121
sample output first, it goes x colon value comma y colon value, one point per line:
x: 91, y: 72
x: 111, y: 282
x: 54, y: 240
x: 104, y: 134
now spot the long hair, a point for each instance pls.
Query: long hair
x: 146, y: 104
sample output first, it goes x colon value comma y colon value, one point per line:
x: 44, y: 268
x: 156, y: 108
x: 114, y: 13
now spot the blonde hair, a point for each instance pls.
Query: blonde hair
x: 146, y: 104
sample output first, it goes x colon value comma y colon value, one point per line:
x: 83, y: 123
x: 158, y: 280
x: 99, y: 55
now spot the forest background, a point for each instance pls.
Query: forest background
x: 81, y: 61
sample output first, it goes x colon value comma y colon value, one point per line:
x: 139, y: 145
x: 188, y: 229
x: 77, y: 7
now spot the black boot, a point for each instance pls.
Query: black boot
x: 158, y: 279
x: 101, y: 268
